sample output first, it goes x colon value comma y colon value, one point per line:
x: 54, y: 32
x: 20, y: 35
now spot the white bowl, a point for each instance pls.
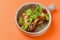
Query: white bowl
x: 31, y: 5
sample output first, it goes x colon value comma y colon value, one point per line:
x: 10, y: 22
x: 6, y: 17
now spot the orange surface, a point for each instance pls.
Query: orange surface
x: 9, y: 30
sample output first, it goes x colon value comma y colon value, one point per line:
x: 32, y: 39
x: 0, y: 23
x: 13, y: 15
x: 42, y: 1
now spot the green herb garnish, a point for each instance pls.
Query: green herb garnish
x: 42, y: 14
x: 28, y: 11
x: 21, y: 20
x: 38, y: 10
x: 33, y: 16
x: 30, y: 20
x: 24, y: 27
x: 40, y: 25
x: 47, y: 17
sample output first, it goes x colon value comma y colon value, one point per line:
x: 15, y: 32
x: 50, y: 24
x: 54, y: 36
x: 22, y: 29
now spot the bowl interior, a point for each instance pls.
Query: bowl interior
x: 30, y: 6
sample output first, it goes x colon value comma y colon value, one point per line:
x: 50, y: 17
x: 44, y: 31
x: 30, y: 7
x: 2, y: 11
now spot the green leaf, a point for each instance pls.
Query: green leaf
x: 40, y: 25
x: 24, y: 27
x: 30, y: 20
x: 38, y: 10
x: 21, y: 20
x: 28, y: 11
x: 30, y: 14
x: 33, y: 16
x: 42, y: 15
x: 47, y: 17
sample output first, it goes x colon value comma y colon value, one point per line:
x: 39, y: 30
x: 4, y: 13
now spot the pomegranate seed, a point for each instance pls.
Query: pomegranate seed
x: 20, y: 25
x: 44, y: 10
x: 39, y: 17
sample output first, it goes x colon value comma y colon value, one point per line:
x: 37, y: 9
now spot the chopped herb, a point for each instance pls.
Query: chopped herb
x: 40, y: 25
x: 47, y: 17
x: 28, y: 11
x: 42, y: 15
x: 24, y: 27
x: 21, y: 20
x: 30, y: 20
x: 33, y: 16
x: 38, y: 10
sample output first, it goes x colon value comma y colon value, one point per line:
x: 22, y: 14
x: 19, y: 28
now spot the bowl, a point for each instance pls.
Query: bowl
x: 32, y: 5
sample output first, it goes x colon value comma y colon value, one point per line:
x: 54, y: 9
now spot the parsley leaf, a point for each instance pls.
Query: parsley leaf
x: 30, y: 20
x: 24, y: 27
x: 28, y: 11
x: 47, y: 17
x: 38, y: 10
x: 21, y: 20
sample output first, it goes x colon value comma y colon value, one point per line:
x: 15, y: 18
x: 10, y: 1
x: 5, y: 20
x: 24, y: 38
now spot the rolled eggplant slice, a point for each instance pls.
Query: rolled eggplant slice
x: 32, y: 26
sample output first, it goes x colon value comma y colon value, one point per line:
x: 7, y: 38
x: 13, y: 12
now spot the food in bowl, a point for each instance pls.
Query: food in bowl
x: 32, y: 19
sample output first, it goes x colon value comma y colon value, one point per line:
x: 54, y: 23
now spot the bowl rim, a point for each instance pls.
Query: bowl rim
x: 39, y: 32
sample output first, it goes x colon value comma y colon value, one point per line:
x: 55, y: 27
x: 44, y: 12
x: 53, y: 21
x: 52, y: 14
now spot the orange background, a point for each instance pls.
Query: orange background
x: 9, y: 30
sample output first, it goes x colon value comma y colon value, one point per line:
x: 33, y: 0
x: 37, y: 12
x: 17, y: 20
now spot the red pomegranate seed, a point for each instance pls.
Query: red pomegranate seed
x: 20, y: 25
x: 33, y: 30
x: 39, y: 17
x: 44, y: 10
